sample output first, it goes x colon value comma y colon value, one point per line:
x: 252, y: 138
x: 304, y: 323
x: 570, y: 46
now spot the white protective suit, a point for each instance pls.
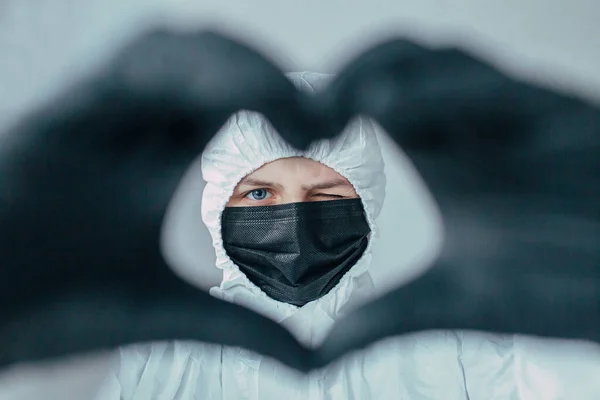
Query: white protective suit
x: 433, y: 365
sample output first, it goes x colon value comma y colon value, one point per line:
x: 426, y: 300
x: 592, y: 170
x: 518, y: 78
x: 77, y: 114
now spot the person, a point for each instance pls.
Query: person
x: 293, y: 234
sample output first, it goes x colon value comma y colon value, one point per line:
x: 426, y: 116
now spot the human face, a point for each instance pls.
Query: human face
x: 291, y: 180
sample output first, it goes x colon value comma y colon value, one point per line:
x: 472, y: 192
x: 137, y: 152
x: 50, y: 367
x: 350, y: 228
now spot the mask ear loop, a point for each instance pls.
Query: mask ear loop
x: 370, y: 228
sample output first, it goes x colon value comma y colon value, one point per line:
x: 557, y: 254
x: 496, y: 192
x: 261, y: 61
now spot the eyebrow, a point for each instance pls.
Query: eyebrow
x: 328, y: 185
x: 259, y: 182
x: 317, y: 186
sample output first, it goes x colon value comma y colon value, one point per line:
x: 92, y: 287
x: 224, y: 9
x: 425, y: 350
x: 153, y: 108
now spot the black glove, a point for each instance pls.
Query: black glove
x: 515, y: 171
x: 85, y: 182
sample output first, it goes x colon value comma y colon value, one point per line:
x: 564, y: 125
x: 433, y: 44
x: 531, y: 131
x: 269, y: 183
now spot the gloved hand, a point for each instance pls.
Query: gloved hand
x: 515, y: 171
x: 84, y: 185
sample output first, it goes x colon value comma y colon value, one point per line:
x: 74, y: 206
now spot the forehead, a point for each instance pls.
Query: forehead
x: 294, y: 167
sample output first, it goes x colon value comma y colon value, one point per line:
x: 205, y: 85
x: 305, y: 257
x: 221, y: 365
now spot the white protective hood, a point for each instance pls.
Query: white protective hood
x: 247, y: 142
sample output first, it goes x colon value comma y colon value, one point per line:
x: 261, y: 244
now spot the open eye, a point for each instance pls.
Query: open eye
x: 258, y: 194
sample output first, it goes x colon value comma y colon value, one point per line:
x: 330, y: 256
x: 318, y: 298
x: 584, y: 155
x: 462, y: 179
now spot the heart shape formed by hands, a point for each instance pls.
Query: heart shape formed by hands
x: 86, y: 181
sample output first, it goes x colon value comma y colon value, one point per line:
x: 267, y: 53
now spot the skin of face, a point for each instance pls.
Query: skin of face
x: 291, y: 180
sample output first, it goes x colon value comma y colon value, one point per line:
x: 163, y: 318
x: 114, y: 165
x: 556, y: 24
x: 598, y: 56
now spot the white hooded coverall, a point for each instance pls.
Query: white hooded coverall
x: 433, y: 365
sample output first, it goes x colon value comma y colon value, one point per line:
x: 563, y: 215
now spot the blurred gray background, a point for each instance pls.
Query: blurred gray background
x: 47, y: 43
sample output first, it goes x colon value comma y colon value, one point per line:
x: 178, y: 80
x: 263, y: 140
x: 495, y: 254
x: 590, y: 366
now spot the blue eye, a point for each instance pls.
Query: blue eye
x: 258, y: 194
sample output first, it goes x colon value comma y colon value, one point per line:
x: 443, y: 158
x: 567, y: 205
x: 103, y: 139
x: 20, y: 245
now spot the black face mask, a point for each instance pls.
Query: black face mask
x: 296, y: 253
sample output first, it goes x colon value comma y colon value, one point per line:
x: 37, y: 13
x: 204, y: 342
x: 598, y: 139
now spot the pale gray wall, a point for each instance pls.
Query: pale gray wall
x: 43, y: 43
